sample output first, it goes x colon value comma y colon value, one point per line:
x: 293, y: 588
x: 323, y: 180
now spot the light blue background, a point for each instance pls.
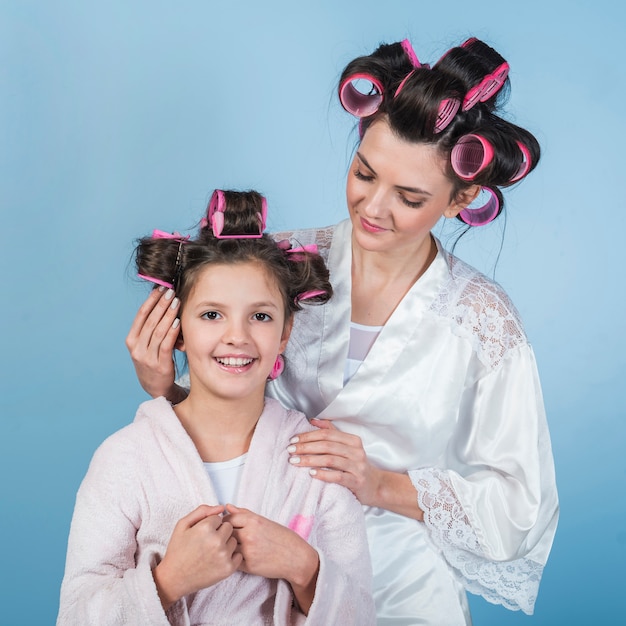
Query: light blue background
x: 118, y: 117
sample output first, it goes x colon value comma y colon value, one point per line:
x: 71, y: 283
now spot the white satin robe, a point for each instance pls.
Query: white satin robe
x: 449, y: 394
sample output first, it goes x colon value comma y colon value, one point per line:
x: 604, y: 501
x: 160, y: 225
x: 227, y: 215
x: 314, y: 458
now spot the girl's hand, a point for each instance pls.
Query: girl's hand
x: 337, y: 457
x: 151, y: 342
x: 201, y: 553
x: 274, y: 551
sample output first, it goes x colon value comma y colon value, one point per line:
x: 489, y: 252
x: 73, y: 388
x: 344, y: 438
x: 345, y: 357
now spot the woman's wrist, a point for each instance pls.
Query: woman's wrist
x: 395, y: 492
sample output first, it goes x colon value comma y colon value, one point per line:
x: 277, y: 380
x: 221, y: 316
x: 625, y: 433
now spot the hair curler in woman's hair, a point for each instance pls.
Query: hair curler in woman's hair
x: 487, y: 88
x: 361, y: 94
x: 525, y: 164
x: 470, y: 156
x: 484, y: 213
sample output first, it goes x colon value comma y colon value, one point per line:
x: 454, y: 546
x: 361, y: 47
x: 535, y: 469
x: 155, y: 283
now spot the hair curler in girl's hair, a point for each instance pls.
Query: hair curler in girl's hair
x: 161, y: 234
x: 215, y: 218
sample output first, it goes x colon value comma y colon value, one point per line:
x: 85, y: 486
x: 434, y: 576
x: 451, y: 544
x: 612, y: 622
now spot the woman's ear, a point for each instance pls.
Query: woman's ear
x: 463, y: 199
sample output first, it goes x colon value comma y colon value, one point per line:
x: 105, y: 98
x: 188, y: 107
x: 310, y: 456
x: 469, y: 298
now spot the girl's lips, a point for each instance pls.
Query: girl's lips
x: 235, y: 364
x: 371, y: 228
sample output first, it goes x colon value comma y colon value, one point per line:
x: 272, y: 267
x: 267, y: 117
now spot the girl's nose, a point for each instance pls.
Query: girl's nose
x: 235, y: 333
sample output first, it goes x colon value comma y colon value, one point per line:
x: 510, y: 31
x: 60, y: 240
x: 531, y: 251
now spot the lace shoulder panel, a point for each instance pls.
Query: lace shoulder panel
x: 320, y: 236
x: 480, y: 310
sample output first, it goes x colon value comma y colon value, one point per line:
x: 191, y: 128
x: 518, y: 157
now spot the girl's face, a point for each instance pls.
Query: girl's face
x: 397, y: 191
x: 233, y: 328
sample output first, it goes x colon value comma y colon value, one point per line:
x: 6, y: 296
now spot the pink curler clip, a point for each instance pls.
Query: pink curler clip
x: 447, y: 110
x: 357, y: 100
x: 158, y: 281
x: 312, y: 248
x: 161, y: 234
x: 484, y: 213
x: 307, y: 295
x: 487, y: 87
x: 471, y: 155
x: 525, y: 164
x: 215, y: 217
x: 408, y: 49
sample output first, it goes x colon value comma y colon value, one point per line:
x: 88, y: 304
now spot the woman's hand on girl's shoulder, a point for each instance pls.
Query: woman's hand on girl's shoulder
x: 337, y: 457
x: 151, y: 342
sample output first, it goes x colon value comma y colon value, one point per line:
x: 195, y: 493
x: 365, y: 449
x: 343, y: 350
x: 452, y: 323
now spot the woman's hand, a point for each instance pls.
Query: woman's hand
x: 201, y: 552
x: 274, y: 551
x: 151, y: 342
x: 338, y: 457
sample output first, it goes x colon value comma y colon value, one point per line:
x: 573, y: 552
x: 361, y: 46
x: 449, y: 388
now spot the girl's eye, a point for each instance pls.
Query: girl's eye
x: 210, y: 315
x: 361, y: 176
x: 262, y: 317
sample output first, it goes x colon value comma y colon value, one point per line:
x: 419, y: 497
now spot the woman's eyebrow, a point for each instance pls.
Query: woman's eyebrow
x: 409, y: 189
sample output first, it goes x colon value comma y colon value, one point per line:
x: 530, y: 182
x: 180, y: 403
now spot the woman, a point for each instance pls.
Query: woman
x: 418, y: 373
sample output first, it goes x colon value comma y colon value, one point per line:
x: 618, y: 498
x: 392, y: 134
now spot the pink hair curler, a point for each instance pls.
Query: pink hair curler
x: 447, y: 108
x: 484, y: 213
x: 161, y: 234
x: 361, y: 94
x: 525, y: 164
x: 277, y: 370
x: 487, y: 88
x: 408, y: 50
x: 307, y: 295
x: 215, y: 217
x: 471, y: 155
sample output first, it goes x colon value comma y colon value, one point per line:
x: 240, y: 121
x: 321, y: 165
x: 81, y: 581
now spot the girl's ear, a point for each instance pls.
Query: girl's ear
x: 180, y: 342
x: 462, y: 201
x: 286, y: 332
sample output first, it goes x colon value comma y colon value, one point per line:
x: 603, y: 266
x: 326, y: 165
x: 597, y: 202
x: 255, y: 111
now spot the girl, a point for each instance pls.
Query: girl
x: 418, y: 371
x: 151, y: 541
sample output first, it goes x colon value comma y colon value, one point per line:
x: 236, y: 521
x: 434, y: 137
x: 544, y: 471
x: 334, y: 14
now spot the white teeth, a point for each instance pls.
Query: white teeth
x: 234, y: 361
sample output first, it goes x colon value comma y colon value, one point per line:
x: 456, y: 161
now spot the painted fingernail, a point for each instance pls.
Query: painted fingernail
x: 291, y: 448
x: 174, y: 304
x: 294, y: 460
x: 176, y: 323
x: 313, y: 472
x: 294, y: 440
x: 161, y: 288
x: 169, y: 294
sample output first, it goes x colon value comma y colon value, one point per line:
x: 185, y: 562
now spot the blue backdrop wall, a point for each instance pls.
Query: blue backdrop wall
x: 118, y: 117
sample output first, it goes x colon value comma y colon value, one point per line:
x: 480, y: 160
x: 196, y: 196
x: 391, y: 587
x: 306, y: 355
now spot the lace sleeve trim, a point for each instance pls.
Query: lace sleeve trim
x: 514, y: 584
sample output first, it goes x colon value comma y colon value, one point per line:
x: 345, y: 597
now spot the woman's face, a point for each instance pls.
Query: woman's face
x: 396, y: 192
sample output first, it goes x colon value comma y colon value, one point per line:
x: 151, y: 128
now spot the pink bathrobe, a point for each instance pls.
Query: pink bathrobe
x: 148, y: 475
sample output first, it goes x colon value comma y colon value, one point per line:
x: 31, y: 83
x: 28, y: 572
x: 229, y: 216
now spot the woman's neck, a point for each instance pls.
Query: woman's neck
x: 221, y: 429
x: 380, y: 280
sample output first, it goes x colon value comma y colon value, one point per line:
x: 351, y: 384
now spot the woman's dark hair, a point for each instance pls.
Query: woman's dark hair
x: 179, y: 261
x: 412, y: 113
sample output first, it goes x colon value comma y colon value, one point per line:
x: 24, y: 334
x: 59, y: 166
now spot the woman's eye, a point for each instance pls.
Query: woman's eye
x: 361, y: 176
x: 413, y: 205
x: 210, y: 315
x: 262, y: 317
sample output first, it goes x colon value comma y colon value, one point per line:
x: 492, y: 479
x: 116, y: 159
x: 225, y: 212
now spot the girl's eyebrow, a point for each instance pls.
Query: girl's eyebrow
x: 409, y: 189
x: 207, y: 304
